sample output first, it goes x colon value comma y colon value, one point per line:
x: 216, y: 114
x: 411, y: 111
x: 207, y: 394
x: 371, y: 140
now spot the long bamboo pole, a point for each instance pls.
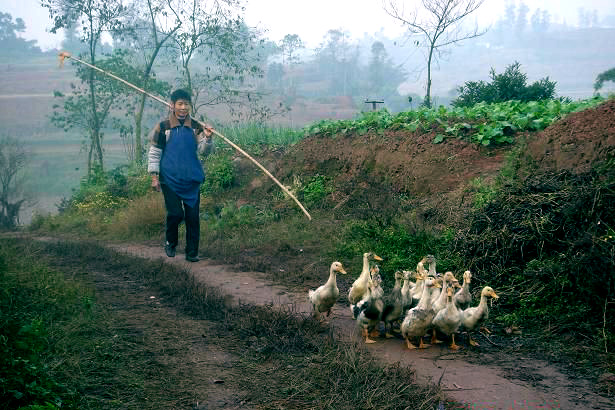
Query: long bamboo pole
x: 64, y: 54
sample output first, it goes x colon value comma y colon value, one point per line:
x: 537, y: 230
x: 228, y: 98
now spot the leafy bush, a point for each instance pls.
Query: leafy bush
x: 511, y: 85
x: 220, y: 173
x: 317, y: 188
x: 104, y: 191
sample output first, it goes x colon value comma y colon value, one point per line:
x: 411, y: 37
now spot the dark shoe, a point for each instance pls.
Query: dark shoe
x: 170, y: 250
x: 192, y: 258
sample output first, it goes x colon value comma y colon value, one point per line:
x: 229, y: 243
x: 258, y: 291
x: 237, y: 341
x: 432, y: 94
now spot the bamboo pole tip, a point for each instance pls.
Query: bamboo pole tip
x: 62, y: 56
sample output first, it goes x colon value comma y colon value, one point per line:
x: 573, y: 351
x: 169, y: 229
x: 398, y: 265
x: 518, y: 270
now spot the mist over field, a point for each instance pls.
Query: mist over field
x: 295, y: 85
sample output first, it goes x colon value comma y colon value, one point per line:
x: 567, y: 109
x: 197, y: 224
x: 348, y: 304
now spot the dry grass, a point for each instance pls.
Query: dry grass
x: 143, y: 218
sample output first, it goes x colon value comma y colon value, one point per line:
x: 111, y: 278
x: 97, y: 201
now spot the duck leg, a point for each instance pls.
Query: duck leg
x: 366, y: 336
x: 388, y: 331
x: 453, y: 345
x: 434, y: 339
x: 410, y: 345
x: 472, y: 341
x: 423, y: 345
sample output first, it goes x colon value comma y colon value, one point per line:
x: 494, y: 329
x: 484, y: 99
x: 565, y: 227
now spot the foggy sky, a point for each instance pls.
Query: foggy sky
x: 311, y: 19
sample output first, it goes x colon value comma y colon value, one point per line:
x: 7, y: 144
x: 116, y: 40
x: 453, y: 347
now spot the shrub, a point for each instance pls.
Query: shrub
x: 511, y: 85
x: 317, y: 189
x: 220, y: 173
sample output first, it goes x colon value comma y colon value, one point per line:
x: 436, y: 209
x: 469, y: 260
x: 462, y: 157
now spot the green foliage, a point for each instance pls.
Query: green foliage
x: 483, y: 193
x: 254, y: 137
x: 482, y: 123
x: 102, y: 192
x: 399, y: 246
x: 31, y: 301
x: 510, y: 85
x: 220, y: 173
x: 316, y: 189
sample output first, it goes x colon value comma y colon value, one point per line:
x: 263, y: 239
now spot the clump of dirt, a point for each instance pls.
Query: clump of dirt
x: 578, y: 142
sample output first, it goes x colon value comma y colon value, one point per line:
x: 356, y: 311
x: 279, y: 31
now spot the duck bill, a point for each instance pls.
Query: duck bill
x: 342, y: 271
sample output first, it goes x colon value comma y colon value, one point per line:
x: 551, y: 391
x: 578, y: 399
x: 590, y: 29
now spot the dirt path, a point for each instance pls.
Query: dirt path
x: 480, y: 380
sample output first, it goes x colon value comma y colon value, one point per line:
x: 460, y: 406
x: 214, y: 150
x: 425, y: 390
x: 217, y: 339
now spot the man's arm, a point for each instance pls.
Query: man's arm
x: 206, y: 143
x: 153, y: 157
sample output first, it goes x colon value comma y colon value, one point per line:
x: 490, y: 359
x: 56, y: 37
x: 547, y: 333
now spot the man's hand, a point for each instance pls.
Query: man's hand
x: 208, y: 130
x: 155, y: 183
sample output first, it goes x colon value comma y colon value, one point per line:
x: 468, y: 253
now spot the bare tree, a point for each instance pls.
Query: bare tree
x: 13, y: 161
x: 440, y: 26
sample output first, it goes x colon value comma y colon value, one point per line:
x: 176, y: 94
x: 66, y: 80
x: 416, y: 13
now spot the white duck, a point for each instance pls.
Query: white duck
x: 406, y: 291
x: 448, y: 319
x: 368, y: 312
x: 359, y: 287
x: 422, y: 273
x: 325, y: 296
x: 472, y: 317
x: 419, y: 318
x: 463, y: 297
x: 440, y: 303
x: 393, y: 306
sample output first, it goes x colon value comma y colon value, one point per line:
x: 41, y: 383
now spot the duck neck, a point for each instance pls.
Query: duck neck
x: 432, y: 269
x: 406, y: 285
x: 443, y: 293
x: 424, y: 301
x: 365, y: 272
x: 332, y: 277
x: 466, y: 284
x: 482, y: 306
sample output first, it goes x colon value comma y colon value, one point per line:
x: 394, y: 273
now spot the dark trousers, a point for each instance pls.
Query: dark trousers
x: 177, y: 211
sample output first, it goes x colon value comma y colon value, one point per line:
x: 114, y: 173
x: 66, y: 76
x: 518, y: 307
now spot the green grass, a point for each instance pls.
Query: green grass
x: 254, y: 137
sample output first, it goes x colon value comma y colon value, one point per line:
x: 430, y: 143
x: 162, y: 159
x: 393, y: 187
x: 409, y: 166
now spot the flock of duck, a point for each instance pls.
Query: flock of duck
x: 431, y: 303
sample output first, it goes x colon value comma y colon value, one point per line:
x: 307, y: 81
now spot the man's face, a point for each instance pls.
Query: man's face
x: 181, y: 108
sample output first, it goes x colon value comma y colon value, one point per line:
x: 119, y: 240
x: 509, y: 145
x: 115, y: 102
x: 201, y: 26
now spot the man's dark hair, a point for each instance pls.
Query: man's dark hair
x: 181, y: 94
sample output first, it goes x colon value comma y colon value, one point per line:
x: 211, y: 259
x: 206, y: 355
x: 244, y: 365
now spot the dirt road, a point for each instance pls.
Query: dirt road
x: 480, y: 380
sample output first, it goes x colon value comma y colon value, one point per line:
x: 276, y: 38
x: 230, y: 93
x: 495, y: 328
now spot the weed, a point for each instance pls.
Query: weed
x: 220, y: 173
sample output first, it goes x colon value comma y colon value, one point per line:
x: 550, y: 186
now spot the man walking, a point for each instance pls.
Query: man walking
x: 174, y: 165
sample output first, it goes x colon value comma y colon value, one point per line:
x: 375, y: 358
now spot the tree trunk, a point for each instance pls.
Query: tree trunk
x: 427, y: 102
x: 138, y: 126
x: 95, y: 123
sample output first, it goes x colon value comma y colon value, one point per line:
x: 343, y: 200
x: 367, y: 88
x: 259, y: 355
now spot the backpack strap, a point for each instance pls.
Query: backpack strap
x: 164, y: 133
